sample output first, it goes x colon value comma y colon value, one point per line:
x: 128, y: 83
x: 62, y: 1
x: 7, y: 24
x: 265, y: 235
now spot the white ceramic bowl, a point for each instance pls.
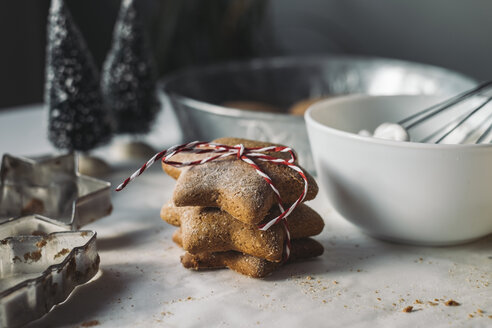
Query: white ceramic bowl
x: 401, y: 191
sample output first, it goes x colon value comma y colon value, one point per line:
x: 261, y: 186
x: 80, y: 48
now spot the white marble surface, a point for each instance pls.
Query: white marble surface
x: 358, y: 282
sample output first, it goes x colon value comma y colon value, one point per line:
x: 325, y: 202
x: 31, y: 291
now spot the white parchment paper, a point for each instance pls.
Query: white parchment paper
x: 358, y: 282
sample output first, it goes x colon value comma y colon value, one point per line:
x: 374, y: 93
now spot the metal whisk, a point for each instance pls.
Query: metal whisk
x: 465, y: 118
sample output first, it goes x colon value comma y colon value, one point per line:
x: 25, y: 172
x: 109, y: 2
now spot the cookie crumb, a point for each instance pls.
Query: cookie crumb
x: 64, y: 251
x: 91, y: 323
x: 470, y: 315
x: 335, y: 282
x: 418, y: 302
x: 41, y: 243
x: 451, y: 303
x: 33, y: 256
x: 34, y: 206
x: 432, y: 303
x: 408, y: 309
x: 479, y: 311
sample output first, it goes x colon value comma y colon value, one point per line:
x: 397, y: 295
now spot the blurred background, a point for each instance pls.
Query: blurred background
x: 448, y: 33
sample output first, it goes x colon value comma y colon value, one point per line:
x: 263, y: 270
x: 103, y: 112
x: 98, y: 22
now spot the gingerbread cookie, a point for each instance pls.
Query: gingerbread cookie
x: 234, y: 186
x: 250, y: 265
x: 300, y: 107
x: 255, y: 106
x: 208, y: 229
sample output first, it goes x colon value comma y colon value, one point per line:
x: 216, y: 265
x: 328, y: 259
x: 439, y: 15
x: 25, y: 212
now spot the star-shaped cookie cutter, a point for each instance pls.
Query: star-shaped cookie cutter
x: 52, y: 187
x: 40, y: 265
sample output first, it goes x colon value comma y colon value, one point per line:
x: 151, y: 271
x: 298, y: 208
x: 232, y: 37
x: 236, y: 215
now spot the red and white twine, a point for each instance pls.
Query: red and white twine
x: 242, y: 153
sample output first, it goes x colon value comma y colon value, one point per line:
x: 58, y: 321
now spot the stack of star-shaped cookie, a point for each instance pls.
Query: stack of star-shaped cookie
x: 218, y: 206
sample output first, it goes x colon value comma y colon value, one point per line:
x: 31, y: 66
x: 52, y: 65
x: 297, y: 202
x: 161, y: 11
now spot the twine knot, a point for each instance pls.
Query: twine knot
x: 240, y: 150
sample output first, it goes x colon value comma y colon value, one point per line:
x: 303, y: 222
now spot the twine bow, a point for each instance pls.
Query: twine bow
x: 242, y: 153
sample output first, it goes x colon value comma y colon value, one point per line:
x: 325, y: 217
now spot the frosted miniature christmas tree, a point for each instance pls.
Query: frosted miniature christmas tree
x: 129, y: 77
x: 78, y: 120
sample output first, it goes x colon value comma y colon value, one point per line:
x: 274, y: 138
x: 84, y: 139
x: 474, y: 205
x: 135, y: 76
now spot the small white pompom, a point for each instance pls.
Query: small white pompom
x: 391, y: 131
x: 365, y: 133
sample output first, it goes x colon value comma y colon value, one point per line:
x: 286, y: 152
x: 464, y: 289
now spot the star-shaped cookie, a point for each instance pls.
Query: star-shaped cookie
x: 247, y: 264
x: 234, y: 186
x: 209, y: 229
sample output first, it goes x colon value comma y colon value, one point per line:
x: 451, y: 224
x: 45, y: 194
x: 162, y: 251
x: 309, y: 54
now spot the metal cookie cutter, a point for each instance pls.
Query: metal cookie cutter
x: 52, y: 187
x: 42, y: 258
x: 40, y: 265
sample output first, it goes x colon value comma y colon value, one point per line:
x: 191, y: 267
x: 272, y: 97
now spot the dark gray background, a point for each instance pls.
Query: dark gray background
x: 449, y: 33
